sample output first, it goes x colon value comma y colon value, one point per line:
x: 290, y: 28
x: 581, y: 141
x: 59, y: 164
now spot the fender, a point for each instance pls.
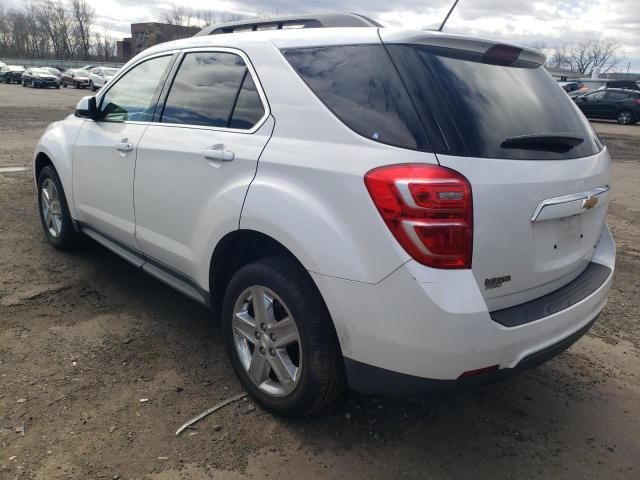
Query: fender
x: 321, y: 212
x: 57, y: 143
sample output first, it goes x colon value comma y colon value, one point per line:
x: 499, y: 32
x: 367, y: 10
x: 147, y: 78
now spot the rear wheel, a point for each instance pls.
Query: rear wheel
x: 280, y: 337
x: 625, y: 117
x: 54, y: 211
x: 64, y: 85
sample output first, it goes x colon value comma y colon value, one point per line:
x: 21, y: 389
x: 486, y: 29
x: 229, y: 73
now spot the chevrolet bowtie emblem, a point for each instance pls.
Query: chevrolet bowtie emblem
x: 589, y: 202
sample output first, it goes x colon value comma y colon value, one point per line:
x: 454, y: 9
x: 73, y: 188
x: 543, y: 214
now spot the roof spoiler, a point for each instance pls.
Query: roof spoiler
x: 320, y: 20
x: 490, y: 48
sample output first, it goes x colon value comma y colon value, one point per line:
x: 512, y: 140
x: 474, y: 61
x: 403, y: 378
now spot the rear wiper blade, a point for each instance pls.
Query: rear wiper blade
x: 550, y: 142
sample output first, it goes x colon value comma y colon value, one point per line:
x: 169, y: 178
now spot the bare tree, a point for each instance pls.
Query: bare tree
x: 83, y: 16
x: 586, y: 57
x: 104, y: 46
x: 558, y: 57
x: 178, y: 15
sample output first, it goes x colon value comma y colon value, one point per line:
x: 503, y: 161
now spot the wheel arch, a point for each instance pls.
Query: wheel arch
x: 236, y: 249
x: 241, y: 247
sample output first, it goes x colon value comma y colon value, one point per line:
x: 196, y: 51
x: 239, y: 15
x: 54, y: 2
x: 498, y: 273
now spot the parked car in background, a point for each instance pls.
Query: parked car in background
x: 53, y: 71
x: 2, y: 64
x: 99, y: 76
x: 39, y: 78
x: 78, y: 78
x: 626, y: 84
x: 11, y: 73
x: 569, y: 86
x: 611, y: 103
x: 359, y: 246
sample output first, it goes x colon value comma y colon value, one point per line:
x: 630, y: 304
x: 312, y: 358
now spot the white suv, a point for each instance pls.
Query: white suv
x: 395, y: 210
x: 99, y: 76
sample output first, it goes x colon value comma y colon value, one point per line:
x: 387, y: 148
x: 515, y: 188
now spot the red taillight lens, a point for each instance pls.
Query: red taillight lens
x: 428, y: 209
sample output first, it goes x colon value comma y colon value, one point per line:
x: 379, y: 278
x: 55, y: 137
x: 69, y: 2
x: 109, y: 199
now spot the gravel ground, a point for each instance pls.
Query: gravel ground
x: 84, y: 337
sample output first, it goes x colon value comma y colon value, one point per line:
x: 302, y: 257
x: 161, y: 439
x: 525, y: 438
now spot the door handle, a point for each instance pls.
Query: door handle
x: 124, y: 147
x: 217, y: 153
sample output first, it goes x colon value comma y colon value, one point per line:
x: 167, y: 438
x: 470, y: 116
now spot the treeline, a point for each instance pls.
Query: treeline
x: 61, y: 29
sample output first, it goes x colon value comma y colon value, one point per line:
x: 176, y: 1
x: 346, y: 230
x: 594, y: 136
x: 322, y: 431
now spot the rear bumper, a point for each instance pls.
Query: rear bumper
x: 371, y: 380
x: 420, y: 329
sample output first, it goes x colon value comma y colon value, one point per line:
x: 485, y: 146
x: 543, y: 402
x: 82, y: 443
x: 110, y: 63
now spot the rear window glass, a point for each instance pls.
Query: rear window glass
x: 359, y: 84
x: 478, y: 103
x: 248, y: 109
x: 204, y: 90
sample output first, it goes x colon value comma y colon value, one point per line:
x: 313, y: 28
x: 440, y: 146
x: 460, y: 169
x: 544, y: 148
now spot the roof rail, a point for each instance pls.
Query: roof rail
x: 319, y: 20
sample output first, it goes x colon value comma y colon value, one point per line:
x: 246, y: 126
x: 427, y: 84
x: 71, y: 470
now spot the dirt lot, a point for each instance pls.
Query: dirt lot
x: 84, y: 337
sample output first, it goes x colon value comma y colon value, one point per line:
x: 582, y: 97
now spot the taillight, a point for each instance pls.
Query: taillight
x: 637, y: 100
x: 428, y: 209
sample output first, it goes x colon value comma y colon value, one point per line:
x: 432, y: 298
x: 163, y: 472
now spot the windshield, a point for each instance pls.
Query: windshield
x: 40, y: 71
x: 110, y: 72
x: 480, y: 103
x: 80, y: 73
x: 15, y: 68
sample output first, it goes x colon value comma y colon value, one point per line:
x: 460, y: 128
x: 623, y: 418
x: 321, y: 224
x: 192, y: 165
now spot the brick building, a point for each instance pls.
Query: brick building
x: 145, y: 35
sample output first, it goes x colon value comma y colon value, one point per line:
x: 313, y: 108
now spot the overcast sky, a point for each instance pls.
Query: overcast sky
x: 551, y: 21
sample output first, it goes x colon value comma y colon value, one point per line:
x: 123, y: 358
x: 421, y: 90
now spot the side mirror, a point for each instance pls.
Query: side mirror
x: 87, y: 108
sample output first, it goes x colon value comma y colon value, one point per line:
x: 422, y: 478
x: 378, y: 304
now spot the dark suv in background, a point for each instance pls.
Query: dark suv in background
x: 612, y: 103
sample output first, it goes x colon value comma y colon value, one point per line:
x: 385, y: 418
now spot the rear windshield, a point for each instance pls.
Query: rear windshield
x: 463, y: 103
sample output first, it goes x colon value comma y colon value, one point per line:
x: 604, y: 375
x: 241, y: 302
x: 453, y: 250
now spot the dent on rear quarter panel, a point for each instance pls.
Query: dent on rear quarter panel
x: 57, y: 143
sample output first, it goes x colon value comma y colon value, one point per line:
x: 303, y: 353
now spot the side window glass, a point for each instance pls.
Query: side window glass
x: 133, y: 97
x: 596, y: 97
x: 360, y: 85
x: 248, y: 109
x: 205, y: 89
x: 616, y: 96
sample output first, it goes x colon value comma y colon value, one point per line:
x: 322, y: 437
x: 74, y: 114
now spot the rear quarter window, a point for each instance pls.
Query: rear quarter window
x: 360, y: 85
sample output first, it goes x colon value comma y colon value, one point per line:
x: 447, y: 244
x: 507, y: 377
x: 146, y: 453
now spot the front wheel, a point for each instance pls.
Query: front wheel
x: 64, y: 85
x: 54, y: 211
x: 625, y: 117
x: 280, y: 337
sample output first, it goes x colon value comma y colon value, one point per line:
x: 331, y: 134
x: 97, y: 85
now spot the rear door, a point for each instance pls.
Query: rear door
x: 196, y: 161
x: 614, y: 102
x: 538, y: 173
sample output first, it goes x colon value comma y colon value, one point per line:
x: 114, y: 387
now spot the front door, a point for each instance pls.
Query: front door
x: 104, y: 157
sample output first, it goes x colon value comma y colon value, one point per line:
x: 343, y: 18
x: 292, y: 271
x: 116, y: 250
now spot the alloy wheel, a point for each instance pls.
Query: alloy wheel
x: 51, y: 208
x: 625, y: 117
x: 267, y: 341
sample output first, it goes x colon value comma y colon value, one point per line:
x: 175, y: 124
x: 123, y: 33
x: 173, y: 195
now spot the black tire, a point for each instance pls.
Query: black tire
x: 626, y: 117
x: 69, y: 238
x: 64, y: 85
x: 24, y: 84
x: 322, y: 371
x: 57, y: 87
x: 77, y: 85
x: 92, y: 86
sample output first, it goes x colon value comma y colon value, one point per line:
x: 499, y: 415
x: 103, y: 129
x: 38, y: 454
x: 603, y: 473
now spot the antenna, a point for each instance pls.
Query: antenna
x: 448, y: 14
